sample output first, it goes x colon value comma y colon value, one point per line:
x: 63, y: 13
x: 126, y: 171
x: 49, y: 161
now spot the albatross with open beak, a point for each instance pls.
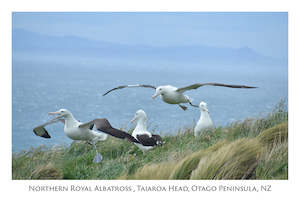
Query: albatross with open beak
x: 173, y: 95
x: 83, y: 131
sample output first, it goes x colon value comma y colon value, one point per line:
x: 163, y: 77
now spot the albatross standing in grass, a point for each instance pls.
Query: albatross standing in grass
x: 205, y: 122
x: 83, y: 131
x: 146, y: 140
x: 173, y: 95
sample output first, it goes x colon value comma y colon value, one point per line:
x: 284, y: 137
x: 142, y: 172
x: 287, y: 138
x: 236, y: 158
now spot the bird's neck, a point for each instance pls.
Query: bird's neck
x: 70, y: 121
x: 204, y: 114
x: 141, y: 125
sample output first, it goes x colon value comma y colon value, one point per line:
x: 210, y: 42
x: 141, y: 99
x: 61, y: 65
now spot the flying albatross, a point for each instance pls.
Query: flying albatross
x: 146, y: 140
x: 83, y: 131
x: 173, y: 95
x: 205, y: 122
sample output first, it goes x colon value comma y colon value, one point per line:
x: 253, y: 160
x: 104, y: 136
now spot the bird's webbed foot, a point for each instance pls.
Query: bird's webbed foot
x: 183, y: 107
x: 97, y: 158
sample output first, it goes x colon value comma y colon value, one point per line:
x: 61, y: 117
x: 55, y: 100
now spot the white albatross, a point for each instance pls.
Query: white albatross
x: 146, y: 140
x: 204, y: 123
x: 76, y: 130
x: 173, y: 95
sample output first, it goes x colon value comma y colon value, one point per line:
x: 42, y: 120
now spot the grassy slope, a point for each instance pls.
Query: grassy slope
x: 243, y: 150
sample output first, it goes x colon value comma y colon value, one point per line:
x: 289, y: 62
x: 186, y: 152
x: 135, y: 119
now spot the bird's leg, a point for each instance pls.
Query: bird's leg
x: 193, y: 104
x: 182, y: 107
x: 98, y: 156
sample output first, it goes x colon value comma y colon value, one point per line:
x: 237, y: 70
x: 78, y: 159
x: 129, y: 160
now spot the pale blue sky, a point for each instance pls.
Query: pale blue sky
x: 266, y: 33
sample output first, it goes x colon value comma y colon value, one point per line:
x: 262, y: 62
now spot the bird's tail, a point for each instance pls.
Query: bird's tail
x: 158, y: 139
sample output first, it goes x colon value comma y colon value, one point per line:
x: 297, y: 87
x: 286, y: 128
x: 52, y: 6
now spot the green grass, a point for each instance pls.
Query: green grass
x: 249, y: 149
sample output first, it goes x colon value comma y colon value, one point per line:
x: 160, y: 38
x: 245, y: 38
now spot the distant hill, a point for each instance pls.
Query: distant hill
x: 38, y: 44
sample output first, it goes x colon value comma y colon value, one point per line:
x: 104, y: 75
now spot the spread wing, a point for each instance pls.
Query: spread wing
x: 146, y: 140
x: 125, y: 86
x: 104, y: 126
x: 197, y: 85
x: 42, y: 132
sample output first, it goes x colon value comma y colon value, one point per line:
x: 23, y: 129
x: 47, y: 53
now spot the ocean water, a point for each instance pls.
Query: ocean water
x: 41, y: 87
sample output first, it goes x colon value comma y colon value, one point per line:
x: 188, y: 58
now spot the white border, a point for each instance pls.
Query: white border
x: 19, y: 189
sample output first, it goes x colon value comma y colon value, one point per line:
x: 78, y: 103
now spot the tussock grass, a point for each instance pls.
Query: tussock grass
x: 160, y: 171
x: 249, y: 149
x: 185, y: 167
x: 236, y: 160
x: 47, y: 172
x: 274, y: 162
x: 26, y: 162
x: 274, y: 135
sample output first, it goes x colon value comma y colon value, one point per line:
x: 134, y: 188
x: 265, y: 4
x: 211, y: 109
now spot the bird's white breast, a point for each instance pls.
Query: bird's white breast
x: 171, y: 96
x: 73, y: 131
x: 203, y: 124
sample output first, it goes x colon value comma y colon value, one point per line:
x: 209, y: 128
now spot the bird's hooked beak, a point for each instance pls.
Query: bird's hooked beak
x: 133, y: 119
x: 55, y: 113
x: 155, y: 95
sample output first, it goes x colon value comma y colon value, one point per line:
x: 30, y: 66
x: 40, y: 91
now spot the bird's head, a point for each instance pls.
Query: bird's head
x: 139, y: 115
x: 159, y: 91
x: 61, y: 113
x: 203, y: 106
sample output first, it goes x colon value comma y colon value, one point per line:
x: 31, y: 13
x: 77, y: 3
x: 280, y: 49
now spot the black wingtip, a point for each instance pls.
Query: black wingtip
x: 45, y: 134
x: 246, y: 87
x: 107, y: 92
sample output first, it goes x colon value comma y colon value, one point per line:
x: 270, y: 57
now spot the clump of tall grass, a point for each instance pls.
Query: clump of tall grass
x: 274, y: 135
x: 158, y: 171
x: 185, y: 167
x: 48, y: 171
x: 26, y: 162
x: 236, y: 160
x: 273, y: 163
